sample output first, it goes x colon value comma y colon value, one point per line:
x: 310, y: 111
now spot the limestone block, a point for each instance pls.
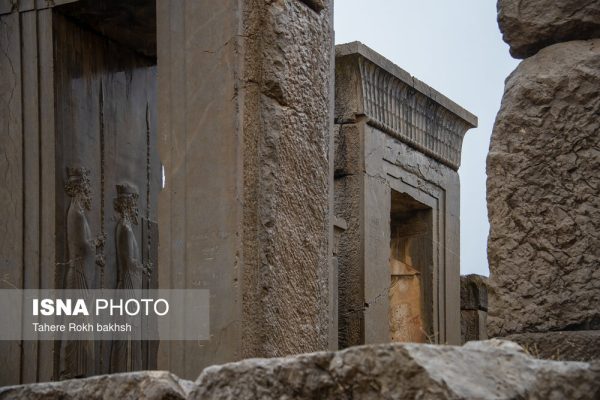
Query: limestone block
x: 530, y: 25
x: 149, y: 385
x: 478, y: 370
x: 542, y: 193
x: 561, y: 346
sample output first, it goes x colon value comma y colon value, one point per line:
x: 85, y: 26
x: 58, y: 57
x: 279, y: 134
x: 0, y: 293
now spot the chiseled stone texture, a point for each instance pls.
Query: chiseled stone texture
x: 530, y: 25
x: 562, y: 345
x: 287, y: 170
x: 478, y: 370
x: 148, y: 385
x: 542, y: 193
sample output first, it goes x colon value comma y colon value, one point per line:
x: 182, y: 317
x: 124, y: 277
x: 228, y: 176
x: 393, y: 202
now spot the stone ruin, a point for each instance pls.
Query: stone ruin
x: 479, y: 370
x: 543, y: 181
x: 397, y: 151
x: 313, y: 190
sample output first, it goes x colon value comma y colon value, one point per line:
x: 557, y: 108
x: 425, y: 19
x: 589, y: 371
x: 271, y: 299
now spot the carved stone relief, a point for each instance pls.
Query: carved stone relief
x: 76, y: 355
x: 126, y: 355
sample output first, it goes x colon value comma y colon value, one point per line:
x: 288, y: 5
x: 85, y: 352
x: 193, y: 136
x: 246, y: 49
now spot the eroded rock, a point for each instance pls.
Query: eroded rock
x: 490, y: 369
x: 148, y: 385
x: 542, y: 192
x: 479, y: 370
x: 530, y: 25
x: 562, y: 345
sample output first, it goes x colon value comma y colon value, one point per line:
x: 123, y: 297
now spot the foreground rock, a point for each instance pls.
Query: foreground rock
x: 478, y: 370
x: 147, y: 385
x: 543, y: 203
x: 563, y: 346
x: 530, y: 25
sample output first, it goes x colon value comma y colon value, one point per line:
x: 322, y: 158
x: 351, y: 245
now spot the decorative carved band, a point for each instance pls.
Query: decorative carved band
x: 405, y: 113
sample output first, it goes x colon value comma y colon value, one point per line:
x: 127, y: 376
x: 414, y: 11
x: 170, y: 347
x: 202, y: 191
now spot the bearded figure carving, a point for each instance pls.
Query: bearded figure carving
x: 77, y: 354
x: 126, y: 355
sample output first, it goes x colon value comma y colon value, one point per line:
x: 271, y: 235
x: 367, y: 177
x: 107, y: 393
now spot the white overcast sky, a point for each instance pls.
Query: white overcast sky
x: 456, y: 47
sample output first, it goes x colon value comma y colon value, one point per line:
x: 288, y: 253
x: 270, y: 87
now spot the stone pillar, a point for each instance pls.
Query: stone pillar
x: 245, y: 137
x: 473, y: 308
x: 543, y: 178
x: 398, y: 144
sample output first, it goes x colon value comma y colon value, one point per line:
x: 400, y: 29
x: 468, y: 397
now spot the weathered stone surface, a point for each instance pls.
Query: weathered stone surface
x: 149, y: 385
x: 563, y: 345
x: 473, y: 292
x: 530, y: 25
x: 245, y: 100
x: 397, y: 149
x: 542, y: 193
x: 479, y: 370
x: 482, y: 370
x: 288, y: 139
x: 473, y: 325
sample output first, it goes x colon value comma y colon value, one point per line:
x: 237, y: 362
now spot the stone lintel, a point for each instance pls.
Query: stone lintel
x: 399, y: 104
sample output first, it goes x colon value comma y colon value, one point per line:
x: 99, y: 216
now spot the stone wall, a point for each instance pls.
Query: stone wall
x: 543, y: 179
x: 478, y: 370
x: 473, y: 307
x: 242, y: 91
x: 246, y: 122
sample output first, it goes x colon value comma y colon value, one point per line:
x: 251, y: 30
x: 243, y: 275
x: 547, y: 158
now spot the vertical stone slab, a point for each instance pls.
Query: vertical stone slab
x: 31, y: 170
x: 542, y: 193
x: 244, y: 137
x: 377, y: 278
x: 47, y: 170
x: 291, y: 143
x: 27, y: 193
x: 199, y: 140
x: 11, y: 190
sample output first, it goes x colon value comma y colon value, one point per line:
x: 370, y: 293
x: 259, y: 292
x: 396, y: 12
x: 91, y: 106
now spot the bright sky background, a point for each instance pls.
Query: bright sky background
x: 456, y: 47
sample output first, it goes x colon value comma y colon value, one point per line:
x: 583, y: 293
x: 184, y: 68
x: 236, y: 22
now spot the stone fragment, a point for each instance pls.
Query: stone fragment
x: 473, y: 325
x: 530, y: 25
x: 562, y: 346
x: 542, y: 192
x: 148, y: 385
x: 490, y: 369
x: 473, y: 292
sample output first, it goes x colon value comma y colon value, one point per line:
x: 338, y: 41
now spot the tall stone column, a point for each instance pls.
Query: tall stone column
x: 245, y: 122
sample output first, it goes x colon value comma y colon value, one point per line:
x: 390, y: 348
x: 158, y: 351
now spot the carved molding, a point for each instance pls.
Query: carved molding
x: 405, y: 113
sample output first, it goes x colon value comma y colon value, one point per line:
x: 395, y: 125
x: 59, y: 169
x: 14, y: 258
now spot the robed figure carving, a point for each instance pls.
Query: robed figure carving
x: 126, y: 355
x: 76, y: 355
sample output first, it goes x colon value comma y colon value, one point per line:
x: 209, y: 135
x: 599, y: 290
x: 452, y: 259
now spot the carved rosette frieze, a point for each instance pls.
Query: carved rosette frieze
x: 402, y: 111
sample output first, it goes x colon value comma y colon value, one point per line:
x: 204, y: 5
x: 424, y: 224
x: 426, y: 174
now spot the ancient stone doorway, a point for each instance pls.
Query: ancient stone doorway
x: 107, y: 166
x: 411, y: 251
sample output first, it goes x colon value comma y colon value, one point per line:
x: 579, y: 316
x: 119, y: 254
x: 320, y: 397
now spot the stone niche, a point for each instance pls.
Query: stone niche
x: 397, y: 152
x: 216, y: 118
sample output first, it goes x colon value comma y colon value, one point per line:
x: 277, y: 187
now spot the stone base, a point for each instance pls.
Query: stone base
x: 561, y: 346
